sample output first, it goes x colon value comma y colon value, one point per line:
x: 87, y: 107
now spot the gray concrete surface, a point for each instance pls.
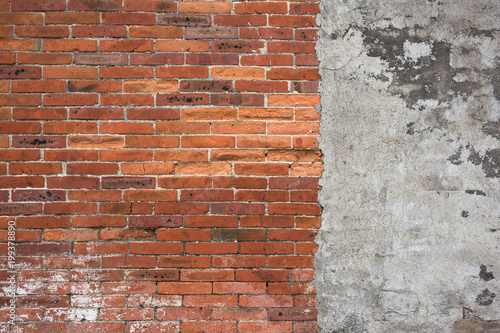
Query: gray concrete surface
x: 410, y: 132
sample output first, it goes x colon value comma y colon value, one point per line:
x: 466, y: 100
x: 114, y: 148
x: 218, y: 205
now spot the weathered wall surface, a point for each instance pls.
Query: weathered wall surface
x: 410, y: 135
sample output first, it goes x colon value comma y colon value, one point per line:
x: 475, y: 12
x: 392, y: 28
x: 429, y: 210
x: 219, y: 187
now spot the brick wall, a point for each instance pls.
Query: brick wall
x: 160, y: 161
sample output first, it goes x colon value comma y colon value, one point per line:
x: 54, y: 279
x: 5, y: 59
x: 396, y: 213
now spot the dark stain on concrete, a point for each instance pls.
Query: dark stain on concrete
x: 485, y: 298
x: 484, y: 274
x: 492, y: 128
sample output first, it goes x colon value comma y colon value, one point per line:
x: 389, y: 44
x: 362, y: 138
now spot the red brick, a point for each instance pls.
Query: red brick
x: 20, y: 209
x: 185, y: 262
x: 93, y: 113
x: 97, y: 5
x: 24, y: 72
x: 211, y: 33
x: 196, y: 313
x: 129, y: 18
x: 184, y: 20
x: 212, y: 59
x: 207, y: 275
x: 267, y: 275
x: 237, y: 46
x: 239, y: 182
x: 293, y: 314
x: 152, y: 275
x: 72, y: 18
x: 70, y: 208
x: 44, y: 58
x: 62, y: 235
x: 42, y: 31
x: 97, y: 302
x: 128, y: 288
x: 240, y: 20
x: 19, y: 127
x: 126, y: 208
x: 184, y: 235
x: 69, y: 45
x: 304, y: 8
x: 266, y: 301
x: 38, y: 195
x: 125, y: 155
x: 217, y: 301
x: 125, y: 128
x: 190, y: 288
x: 127, y: 314
x: 185, y: 182
x: 39, y: 86
x: 34, y: 168
x: 209, y: 326
x: 238, y: 99
x: 100, y: 248
x: 70, y: 155
x: 20, y: 100
x: 9, y: 59
x: 267, y: 248
x: 266, y: 33
x: 292, y: 21
x: 99, y: 221
x: 157, y: 59
x: 72, y: 182
x: 148, y: 168
x: 265, y: 326
x: 20, y: 182
x: 43, y: 249
x: 154, y: 301
x: 155, y: 32
x: 291, y: 47
x: 238, y: 261
x: 101, y: 59
x: 239, y: 314
x: 182, y: 99
x: 132, y: 234
x: 21, y: 18
x: 150, y: 5
x: 182, y: 46
x: 154, y: 114
x: 43, y: 222
x: 211, y: 248
x: 260, y: 8
x: 96, y: 195
x: 39, y: 113
x: 127, y: 99
x: 69, y: 100
x: 7, y: 44
x: 145, y: 327
x: 91, y: 168
x: 306, y: 35
x: 99, y: 31
x: 128, y: 261
x: 34, y: 5
x: 211, y: 221
x: 127, y: 45
x: 181, y: 208
x: 182, y: 155
x: 261, y: 86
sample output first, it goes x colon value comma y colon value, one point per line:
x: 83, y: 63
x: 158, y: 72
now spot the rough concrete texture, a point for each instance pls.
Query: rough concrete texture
x: 410, y: 134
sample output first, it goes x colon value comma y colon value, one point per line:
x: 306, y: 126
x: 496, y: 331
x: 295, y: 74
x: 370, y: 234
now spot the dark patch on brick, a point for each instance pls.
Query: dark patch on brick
x: 128, y: 182
x: 89, y: 87
x: 474, y: 156
x: 485, y: 297
x: 185, y: 20
x: 465, y: 213
x: 484, y: 274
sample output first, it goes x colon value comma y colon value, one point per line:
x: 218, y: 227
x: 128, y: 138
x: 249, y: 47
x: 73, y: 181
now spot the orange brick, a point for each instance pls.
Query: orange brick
x: 205, y: 7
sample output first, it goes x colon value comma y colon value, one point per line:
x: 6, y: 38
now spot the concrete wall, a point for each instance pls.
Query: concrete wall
x: 410, y: 237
